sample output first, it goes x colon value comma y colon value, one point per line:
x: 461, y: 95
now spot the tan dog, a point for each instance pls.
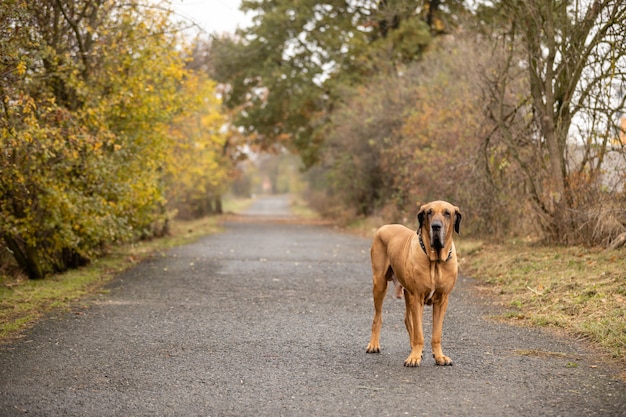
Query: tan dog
x: 425, y: 264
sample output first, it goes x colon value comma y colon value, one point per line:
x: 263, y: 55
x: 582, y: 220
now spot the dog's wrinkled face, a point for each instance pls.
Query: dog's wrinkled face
x: 437, y: 220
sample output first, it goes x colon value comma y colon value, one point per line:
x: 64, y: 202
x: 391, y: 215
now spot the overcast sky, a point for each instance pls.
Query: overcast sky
x: 214, y: 16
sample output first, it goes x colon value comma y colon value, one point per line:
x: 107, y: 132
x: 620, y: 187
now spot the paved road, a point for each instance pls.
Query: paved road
x: 270, y: 319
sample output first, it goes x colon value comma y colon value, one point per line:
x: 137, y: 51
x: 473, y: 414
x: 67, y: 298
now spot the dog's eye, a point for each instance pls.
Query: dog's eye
x: 446, y: 213
x: 429, y: 212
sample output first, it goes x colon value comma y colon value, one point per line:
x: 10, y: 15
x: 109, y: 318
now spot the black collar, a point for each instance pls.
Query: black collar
x: 419, y: 234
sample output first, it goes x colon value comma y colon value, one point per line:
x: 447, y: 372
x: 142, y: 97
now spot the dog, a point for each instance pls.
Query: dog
x: 424, y: 263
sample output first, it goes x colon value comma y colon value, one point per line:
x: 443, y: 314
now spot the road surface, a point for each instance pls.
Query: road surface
x: 272, y: 319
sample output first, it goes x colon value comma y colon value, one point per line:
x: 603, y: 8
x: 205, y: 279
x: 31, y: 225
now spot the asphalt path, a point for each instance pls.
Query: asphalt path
x: 272, y: 317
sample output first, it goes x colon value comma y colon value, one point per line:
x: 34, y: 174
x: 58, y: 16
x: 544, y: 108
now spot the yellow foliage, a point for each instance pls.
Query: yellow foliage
x: 92, y: 147
x: 197, y: 168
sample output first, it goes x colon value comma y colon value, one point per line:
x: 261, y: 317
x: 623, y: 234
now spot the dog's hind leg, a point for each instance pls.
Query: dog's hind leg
x: 380, y: 271
x: 379, y: 291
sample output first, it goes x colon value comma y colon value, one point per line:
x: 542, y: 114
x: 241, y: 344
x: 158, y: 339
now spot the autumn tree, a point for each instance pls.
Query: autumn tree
x: 286, y: 70
x: 51, y: 163
x: 556, y: 103
x: 198, y: 166
x: 90, y: 90
x: 406, y: 139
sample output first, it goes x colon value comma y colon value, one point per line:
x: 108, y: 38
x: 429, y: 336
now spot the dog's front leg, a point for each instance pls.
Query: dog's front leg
x: 413, y: 322
x: 439, y: 311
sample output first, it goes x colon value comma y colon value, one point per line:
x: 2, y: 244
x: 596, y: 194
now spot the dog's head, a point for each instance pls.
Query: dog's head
x: 437, y: 220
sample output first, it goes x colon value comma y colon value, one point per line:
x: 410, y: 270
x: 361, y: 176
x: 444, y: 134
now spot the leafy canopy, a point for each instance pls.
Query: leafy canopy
x: 285, y: 72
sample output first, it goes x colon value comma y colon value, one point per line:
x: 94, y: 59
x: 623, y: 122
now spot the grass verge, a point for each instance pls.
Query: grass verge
x: 24, y: 301
x: 581, y: 290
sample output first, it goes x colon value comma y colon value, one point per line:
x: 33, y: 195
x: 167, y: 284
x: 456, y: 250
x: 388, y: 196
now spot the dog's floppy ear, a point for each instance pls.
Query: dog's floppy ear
x: 420, y: 216
x: 457, y: 220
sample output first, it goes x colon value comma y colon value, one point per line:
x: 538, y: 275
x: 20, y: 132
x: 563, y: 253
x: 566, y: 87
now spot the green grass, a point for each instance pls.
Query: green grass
x: 236, y: 205
x: 23, y: 301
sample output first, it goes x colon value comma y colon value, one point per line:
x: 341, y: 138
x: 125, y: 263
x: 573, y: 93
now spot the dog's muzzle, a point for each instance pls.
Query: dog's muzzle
x: 437, y: 234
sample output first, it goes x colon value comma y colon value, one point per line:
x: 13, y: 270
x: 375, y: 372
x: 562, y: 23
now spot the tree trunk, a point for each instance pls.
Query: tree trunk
x: 218, y: 205
x: 26, y: 258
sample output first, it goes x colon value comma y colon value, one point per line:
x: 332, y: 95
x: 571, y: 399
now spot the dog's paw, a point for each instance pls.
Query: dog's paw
x: 443, y: 360
x: 372, y: 348
x: 413, y: 361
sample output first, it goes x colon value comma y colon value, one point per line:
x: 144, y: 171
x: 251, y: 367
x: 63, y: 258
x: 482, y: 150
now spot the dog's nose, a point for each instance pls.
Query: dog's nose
x: 436, y: 225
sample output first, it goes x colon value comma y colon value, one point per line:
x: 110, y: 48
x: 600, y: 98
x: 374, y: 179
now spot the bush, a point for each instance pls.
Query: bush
x: 87, y: 147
